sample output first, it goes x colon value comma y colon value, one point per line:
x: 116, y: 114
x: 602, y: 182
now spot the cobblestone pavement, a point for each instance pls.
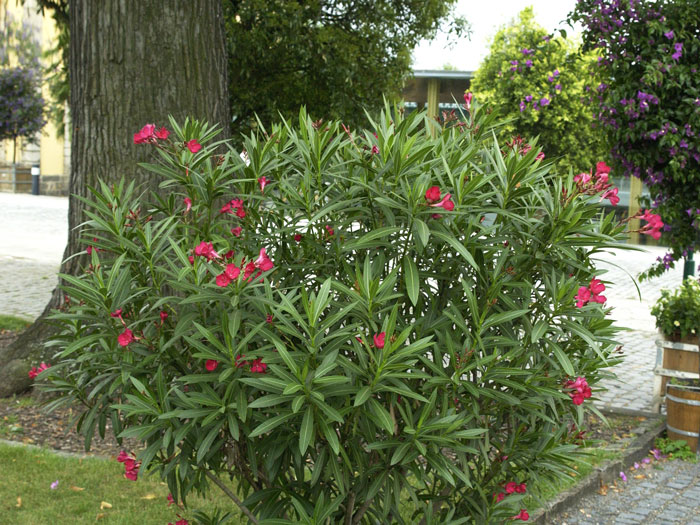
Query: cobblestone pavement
x: 667, y: 493
x: 633, y: 388
x: 33, y: 233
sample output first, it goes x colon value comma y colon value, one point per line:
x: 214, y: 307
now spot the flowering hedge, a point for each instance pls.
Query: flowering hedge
x: 362, y: 327
x: 650, y: 104
x: 540, y: 81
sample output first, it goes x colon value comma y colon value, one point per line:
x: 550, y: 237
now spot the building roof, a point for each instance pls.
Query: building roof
x: 443, y: 73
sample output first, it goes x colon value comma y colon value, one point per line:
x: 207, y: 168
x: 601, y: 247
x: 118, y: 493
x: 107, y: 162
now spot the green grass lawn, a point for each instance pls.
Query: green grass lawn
x: 9, y: 322
x: 27, y: 474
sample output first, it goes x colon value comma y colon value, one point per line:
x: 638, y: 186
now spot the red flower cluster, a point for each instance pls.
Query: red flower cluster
x: 432, y: 195
x: 131, y: 466
x: 231, y: 272
x: 180, y: 522
x: 653, y: 226
x: 379, y: 340
x: 188, y: 204
x: 256, y: 365
x: 35, y: 371
x: 149, y: 133
x: 127, y: 336
x: 589, y: 184
x: 193, y: 146
x: 592, y: 293
x: 206, y: 249
x: 263, y: 181
x: 514, y: 488
x: 234, y: 206
x: 578, y: 390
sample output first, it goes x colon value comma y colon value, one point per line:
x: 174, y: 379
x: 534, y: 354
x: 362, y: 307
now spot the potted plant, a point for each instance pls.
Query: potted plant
x: 677, y: 314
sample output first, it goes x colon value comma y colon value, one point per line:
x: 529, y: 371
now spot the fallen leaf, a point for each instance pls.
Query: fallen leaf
x: 105, y: 505
x: 640, y: 476
x: 100, y: 516
x: 19, y: 502
x: 149, y: 496
x: 76, y: 489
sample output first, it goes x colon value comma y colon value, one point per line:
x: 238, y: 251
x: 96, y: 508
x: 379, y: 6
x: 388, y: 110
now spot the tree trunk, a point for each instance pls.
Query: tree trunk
x: 131, y: 63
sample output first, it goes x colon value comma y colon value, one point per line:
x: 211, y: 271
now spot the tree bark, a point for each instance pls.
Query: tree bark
x: 132, y: 62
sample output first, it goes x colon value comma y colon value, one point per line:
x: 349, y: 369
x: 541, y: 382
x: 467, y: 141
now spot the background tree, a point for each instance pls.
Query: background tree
x: 649, y: 104
x: 538, y: 81
x: 332, y: 56
x: 21, y: 103
x: 159, y: 59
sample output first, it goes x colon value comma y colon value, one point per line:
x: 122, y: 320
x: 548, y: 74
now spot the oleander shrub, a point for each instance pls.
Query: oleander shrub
x: 394, y: 325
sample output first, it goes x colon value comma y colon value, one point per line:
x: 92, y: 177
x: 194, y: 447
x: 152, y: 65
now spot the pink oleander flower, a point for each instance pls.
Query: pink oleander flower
x: 263, y: 262
x: 180, y: 522
x: 583, y: 178
x: 432, y: 194
x: 522, y: 515
x: 583, y: 296
x: 511, y: 487
x: 258, y: 367
x: 468, y: 100
x: 375, y: 150
x: 248, y: 270
x: 170, y: 499
x: 191, y: 259
x: 229, y: 254
x: 145, y: 135
x: 379, y: 339
x: 163, y: 316
x: 331, y: 231
x: 211, y: 364
x: 540, y: 156
x: 232, y: 271
x: 206, y: 249
x: 126, y: 337
x: 297, y: 237
x: 521, y: 488
x: 653, y: 226
x: 188, y: 204
x: 117, y: 314
x: 263, y: 182
x: 162, y: 133
x: 35, y: 371
x: 578, y: 390
x: 236, y: 231
x: 269, y: 318
x: 500, y: 496
x: 612, y: 196
x: 222, y: 280
x: 602, y: 168
x: 239, y: 363
x: 131, y: 466
x: 193, y: 146
x: 445, y: 203
x: 596, y: 288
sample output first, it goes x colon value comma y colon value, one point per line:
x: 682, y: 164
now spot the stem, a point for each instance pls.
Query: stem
x: 361, y: 512
x: 231, y: 495
x: 349, y: 509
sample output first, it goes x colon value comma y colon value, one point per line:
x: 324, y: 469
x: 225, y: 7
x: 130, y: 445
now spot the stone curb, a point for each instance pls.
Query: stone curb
x: 605, y: 473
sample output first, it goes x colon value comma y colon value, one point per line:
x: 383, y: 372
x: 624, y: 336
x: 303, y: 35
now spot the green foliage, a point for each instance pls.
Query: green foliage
x: 676, y: 449
x: 10, y: 322
x: 21, y: 105
x: 332, y: 57
x: 506, y: 82
x: 678, y: 311
x: 399, y: 362
x: 649, y: 104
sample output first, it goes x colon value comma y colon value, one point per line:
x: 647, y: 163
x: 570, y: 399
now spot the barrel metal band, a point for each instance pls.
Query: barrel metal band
x: 691, y: 402
x: 682, y: 432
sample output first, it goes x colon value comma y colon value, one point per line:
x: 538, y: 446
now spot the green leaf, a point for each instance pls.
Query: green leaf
x: 362, y: 396
x: 410, y: 273
x: 459, y: 247
x: 270, y: 424
x: 382, y: 417
x: 422, y: 231
x: 307, y: 430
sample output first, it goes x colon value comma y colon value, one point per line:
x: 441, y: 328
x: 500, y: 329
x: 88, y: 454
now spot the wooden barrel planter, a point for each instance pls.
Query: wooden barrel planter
x: 683, y: 414
x: 676, y: 357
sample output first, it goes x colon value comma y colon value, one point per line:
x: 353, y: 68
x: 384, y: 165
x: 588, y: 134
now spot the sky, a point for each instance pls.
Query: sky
x: 485, y: 17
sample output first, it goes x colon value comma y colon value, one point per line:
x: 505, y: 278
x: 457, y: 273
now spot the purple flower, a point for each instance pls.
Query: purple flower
x: 683, y: 144
x: 558, y: 87
x: 54, y: 485
x: 528, y: 63
x: 513, y: 62
x: 622, y: 476
x: 525, y: 51
x: 528, y: 98
x: 556, y: 73
x: 669, y: 35
x: 544, y: 101
x: 646, y: 461
x: 522, y: 105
